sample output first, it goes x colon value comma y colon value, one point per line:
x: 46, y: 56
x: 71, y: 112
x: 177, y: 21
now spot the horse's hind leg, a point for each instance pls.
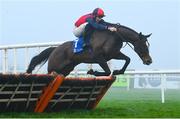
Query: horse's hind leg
x: 68, y: 68
x: 105, y: 68
x: 64, y: 68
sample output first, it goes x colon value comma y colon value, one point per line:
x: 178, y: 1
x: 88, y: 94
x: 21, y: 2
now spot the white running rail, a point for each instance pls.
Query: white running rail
x: 5, y: 49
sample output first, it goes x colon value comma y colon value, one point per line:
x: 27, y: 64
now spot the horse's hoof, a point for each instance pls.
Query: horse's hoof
x: 27, y: 73
x: 53, y: 73
x: 90, y: 72
x: 116, y: 72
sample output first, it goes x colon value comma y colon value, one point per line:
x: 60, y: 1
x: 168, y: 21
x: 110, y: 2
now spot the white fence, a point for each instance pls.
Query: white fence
x: 163, y: 75
x: 26, y: 47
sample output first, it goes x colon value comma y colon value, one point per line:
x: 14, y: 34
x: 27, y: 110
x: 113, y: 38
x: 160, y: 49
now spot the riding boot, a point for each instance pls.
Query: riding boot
x: 86, y: 41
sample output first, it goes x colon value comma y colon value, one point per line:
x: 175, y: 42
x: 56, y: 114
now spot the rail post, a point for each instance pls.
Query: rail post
x: 163, y: 79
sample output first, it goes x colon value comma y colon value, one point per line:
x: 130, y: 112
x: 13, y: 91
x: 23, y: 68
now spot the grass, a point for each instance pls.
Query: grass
x: 121, y: 103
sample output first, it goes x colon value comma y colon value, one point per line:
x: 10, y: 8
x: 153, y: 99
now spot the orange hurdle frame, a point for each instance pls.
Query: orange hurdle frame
x: 48, y: 93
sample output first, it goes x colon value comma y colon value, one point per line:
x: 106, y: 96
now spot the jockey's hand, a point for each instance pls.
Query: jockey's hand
x: 112, y: 29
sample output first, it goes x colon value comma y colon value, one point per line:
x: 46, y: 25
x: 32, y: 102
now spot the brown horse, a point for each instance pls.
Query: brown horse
x: 104, y: 46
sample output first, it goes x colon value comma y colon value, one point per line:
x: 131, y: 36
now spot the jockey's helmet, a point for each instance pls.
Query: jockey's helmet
x: 98, y: 12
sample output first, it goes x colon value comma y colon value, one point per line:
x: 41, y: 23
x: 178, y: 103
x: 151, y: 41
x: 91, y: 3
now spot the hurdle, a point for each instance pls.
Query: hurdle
x: 46, y: 93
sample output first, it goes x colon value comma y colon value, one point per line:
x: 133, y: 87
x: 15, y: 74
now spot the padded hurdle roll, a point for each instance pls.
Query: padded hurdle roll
x: 45, y: 93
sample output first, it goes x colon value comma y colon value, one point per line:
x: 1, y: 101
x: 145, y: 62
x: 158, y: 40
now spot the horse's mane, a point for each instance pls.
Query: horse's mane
x: 119, y: 26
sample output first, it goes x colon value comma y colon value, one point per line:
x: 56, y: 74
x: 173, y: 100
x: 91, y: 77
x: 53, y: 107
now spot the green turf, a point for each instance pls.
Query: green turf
x: 119, y: 102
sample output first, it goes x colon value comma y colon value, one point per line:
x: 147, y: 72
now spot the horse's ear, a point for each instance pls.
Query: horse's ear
x: 148, y: 35
x: 140, y: 35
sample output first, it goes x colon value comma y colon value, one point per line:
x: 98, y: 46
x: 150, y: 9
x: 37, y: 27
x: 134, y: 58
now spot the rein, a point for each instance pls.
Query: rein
x: 121, y: 36
x: 130, y: 46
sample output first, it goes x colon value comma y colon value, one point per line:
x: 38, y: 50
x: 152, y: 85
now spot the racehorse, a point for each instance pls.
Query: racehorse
x: 104, y: 46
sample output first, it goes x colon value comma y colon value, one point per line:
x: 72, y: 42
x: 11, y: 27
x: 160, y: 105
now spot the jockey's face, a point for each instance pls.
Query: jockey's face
x: 98, y: 19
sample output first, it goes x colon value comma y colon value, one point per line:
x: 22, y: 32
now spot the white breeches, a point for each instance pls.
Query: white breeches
x: 78, y: 31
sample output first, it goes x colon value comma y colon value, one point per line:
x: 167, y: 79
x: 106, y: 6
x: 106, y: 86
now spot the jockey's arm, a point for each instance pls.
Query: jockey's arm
x: 110, y: 26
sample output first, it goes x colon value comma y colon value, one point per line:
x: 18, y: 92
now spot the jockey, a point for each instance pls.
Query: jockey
x: 86, y: 24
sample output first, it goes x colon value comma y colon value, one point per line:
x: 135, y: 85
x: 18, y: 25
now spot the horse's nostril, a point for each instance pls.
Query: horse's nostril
x: 149, y: 61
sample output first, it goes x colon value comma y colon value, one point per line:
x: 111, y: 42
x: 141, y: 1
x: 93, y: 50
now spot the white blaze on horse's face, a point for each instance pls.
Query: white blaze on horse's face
x: 142, y: 49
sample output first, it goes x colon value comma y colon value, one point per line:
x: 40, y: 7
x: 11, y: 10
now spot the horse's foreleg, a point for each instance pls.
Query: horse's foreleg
x: 105, y: 67
x: 122, y: 56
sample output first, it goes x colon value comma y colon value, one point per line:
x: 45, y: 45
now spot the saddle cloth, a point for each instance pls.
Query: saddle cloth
x: 78, y: 45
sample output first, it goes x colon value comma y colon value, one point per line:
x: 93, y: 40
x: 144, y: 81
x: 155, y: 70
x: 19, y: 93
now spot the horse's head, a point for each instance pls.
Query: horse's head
x: 138, y: 40
x: 141, y: 47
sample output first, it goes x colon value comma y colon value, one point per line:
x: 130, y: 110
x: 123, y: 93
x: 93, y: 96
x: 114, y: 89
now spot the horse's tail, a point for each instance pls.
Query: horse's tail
x: 39, y: 59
